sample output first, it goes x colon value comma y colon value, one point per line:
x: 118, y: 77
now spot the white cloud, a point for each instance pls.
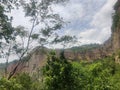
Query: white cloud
x: 88, y: 33
x: 103, y: 17
x: 95, y: 35
x: 19, y: 18
x: 91, y: 19
x: 101, y: 25
x: 93, y: 13
x: 72, y: 11
x: 87, y: 41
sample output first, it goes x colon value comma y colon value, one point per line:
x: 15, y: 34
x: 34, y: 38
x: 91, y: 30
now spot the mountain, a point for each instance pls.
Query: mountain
x: 37, y: 57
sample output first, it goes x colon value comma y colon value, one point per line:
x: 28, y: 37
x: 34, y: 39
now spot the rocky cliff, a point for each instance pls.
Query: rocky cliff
x: 115, y: 37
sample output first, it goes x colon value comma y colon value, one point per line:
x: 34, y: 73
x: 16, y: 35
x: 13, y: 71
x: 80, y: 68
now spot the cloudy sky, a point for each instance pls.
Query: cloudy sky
x: 89, y: 19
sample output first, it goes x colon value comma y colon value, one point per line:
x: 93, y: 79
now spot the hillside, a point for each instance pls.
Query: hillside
x: 38, y: 57
x: 90, y: 53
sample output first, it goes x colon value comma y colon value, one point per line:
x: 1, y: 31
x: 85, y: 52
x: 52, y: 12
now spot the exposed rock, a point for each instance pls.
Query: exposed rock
x: 116, y: 28
x: 31, y: 65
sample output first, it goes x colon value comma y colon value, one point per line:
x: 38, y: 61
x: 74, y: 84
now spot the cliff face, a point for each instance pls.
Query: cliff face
x: 116, y: 39
x: 36, y: 60
x: 116, y: 28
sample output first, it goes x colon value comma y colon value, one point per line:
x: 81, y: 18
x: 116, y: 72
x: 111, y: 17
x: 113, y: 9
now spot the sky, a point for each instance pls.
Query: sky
x: 90, y: 20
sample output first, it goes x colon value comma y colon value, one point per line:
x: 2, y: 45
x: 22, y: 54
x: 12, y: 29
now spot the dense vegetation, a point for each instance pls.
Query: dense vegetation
x: 62, y: 74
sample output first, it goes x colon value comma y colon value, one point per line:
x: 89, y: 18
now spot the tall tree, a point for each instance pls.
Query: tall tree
x: 41, y: 15
x: 15, y: 46
x: 58, y: 74
x: 6, y: 29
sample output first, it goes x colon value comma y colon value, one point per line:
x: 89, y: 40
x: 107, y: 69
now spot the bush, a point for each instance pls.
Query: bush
x: 58, y: 73
x: 9, y: 84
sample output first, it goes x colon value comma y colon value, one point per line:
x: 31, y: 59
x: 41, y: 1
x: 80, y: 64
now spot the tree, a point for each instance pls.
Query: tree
x: 6, y: 31
x: 65, y: 40
x: 6, y: 28
x: 9, y: 84
x: 15, y: 46
x: 40, y: 14
x: 21, y: 82
x: 25, y: 81
x: 58, y: 74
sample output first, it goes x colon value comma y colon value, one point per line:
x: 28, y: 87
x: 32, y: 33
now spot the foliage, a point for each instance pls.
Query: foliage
x: 23, y: 79
x: 43, y: 20
x: 99, y: 75
x: 61, y: 74
x: 93, y: 76
x: 58, y: 74
x: 20, y: 82
x: 65, y: 40
x: 6, y: 28
x: 9, y: 84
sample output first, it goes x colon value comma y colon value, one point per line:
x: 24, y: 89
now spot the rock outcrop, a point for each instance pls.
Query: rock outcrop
x: 116, y: 28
